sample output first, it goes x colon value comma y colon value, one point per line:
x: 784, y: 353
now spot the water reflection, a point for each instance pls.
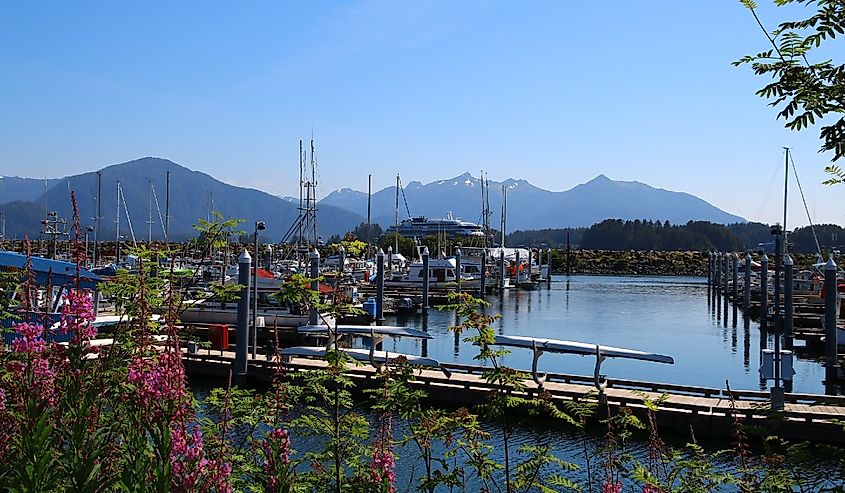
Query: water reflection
x: 658, y: 314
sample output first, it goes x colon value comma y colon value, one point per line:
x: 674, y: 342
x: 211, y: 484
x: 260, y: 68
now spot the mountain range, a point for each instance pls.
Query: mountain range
x: 192, y: 195
x: 23, y: 201
x: 530, y: 207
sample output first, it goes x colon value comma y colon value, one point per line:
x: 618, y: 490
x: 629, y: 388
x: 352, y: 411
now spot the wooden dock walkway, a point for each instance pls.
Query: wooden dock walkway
x: 706, y: 411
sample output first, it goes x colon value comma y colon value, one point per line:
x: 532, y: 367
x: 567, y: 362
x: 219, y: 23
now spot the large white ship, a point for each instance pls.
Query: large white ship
x: 422, y: 226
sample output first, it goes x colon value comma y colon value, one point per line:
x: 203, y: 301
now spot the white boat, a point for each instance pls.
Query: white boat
x: 441, y: 273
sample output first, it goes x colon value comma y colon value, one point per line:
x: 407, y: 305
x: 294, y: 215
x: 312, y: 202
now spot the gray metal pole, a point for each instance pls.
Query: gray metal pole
x: 426, y: 275
x: 830, y: 301
x: 242, y: 331
x: 517, y: 271
x: 788, y: 301
x: 501, y: 270
x: 341, y: 259
x: 735, y: 275
x: 483, y: 281
x: 764, y: 292
x: 709, y: 269
x: 458, y: 267
x: 390, y: 259
x: 380, y: 286
x: 315, y: 285
x: 778, y: 322
x: 254, y: 337
x: 549, y: 273
x: 746, y: 286
x: 727, y: 276
x: 717, y: 275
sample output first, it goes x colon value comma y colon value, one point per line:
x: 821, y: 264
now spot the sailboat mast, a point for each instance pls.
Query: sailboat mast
x: 167, y: 207
x: 369, y: 207
x: 504, y: 212
x: 313, y: 204
x: 396, y: 237
x: 299, y: 227
x: 785, y: 189
x: 150, y: 212
x: 117, y: 225
x: 97, y: 216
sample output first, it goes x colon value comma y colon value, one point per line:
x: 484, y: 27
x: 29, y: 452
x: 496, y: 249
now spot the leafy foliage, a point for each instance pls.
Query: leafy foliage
x: 802, y: 90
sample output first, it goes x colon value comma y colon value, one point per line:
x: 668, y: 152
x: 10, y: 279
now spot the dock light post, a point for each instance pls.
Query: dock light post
x: 501, y: 271
x: 777, y: 390
x: 315, y: 284
x: 549, y: 273
x: 426, y: 276
x: 831, y: 300
x: 341, y: 259
x: 380, y: 287
x: 259, y: 226
x: 788, y: 299
x: 517, y: 267
x: 483, y: 279
x: 746, y: 286
x: 458, y: 273
x: 242, y: 331
x: 764, y: 292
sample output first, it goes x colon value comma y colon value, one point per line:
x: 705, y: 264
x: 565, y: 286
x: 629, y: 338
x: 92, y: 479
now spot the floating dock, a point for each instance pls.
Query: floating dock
x: 707, y: 411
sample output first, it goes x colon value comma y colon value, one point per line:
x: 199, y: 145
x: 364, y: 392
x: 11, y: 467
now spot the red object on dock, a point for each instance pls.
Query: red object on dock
x: 218, y: 334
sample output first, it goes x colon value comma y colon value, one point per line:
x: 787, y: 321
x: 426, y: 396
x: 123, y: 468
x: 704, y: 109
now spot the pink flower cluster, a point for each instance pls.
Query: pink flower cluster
x: 30, y: 343
x: 651, y: 489
x: 192, y: 471
x: 77, y: 315
x: 2, y: 400
x: 29, y: 338
x: 276, y: 453
x: 611, y: 487
x: 382, y: 469
x: 159, y: 384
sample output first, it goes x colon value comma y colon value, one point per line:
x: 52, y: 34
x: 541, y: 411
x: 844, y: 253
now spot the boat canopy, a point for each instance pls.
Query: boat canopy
x: 60, y: 273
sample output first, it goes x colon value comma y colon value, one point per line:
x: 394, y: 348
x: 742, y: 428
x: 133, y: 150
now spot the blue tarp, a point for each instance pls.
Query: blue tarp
x: 60, y: 273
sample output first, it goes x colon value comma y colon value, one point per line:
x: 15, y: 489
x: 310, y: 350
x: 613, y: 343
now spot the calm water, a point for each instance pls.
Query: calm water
x: 668, y: 315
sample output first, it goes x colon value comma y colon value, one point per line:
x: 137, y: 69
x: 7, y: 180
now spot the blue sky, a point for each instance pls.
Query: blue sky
x: 554, y: 92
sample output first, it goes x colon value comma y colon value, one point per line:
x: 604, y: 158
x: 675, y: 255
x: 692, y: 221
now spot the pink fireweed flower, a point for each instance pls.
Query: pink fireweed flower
x: 277, y: 451
x: 651, y: 489
x: 159, y: 384
x: 192, y: 471
x: 611, y: 487
x: 29, y: 338
x: 77, y: 315
x: 382, y: 469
